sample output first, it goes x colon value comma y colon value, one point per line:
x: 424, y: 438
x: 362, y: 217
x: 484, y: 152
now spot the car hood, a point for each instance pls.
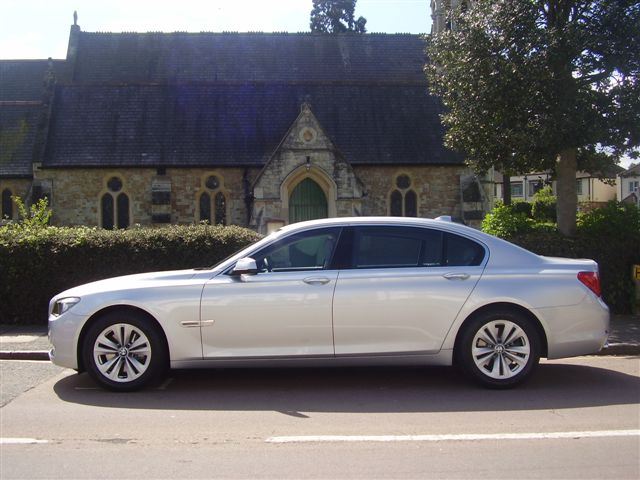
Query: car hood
x: 131, y: 282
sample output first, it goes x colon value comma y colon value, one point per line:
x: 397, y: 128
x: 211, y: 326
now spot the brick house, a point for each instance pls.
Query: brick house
x: 254, y: 129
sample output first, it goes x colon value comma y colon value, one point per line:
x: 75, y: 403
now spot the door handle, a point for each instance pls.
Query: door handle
x: 456, y: 276
x: 316, y: 280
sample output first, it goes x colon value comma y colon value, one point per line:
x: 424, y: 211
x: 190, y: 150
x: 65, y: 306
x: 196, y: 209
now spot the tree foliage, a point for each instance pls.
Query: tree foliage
x: 336, y: 16
x: 541, y: 84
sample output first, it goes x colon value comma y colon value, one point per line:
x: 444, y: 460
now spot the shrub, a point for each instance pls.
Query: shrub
x: 522, y: 207
x: 504, y: 222
x: 543, y: 207
x: 37, y: 263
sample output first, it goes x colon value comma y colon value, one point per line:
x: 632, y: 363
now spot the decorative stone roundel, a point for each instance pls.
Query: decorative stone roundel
x: 307, y: 134
x: 212, y: 182
x: 403, y: 181
x: 114, y: 184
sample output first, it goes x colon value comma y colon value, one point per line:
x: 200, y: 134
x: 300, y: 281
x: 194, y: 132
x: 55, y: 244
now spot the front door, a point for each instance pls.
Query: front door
x: 307, y: 202
x: 284, y: 310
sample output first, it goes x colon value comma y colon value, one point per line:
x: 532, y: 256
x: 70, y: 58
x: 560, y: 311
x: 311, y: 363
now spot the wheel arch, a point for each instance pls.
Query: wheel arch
x: 501, y: 306
x: 116, y: 308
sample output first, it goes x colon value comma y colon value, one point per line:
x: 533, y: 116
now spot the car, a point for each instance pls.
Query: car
x: 339, y: 291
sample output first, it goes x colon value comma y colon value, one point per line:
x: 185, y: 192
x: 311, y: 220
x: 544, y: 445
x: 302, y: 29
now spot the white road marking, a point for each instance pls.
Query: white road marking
x: 453, y: 438
x: 20, y: 441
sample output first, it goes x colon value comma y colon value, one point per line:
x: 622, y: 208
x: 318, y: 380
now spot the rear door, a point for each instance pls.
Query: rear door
x: 401, y: 288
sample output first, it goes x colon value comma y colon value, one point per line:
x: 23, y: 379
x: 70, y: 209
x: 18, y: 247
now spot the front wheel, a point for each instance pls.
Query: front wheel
x: 124, y: 351
x: 499, y: 349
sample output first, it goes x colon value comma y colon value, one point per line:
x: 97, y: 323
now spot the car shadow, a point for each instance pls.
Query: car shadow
x: 361, y: 390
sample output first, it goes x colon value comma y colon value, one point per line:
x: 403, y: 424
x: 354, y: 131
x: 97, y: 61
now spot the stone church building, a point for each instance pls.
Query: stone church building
x: 253, y: 129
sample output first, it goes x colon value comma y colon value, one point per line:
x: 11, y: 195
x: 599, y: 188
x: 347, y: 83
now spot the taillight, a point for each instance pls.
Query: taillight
x: 592, y: 281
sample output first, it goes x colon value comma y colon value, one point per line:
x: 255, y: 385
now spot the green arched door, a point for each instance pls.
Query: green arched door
x: 307, y: 202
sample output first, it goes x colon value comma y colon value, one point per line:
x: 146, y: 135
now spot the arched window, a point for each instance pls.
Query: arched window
x: 307, y: 202
x: 213, y: 202
x: 403, y: 201
x: 114, y: 206
x: 7, y: 204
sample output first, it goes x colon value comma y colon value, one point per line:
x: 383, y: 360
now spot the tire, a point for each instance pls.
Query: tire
x: 486, y: 358
x: 124, y: 351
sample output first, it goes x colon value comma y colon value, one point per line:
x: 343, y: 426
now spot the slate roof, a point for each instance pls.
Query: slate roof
x: 239, y: 123
x: 18, y: 125
x: 23, y: 80
x: 211, y: 57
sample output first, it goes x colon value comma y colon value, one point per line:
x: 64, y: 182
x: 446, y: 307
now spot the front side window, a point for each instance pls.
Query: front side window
x: 311, y: 250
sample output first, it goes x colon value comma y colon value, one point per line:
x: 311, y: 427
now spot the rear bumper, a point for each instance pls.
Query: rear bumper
x: 580, y: 329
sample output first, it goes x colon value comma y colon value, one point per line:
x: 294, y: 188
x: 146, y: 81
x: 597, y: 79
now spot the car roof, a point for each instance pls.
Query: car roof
x: 346, y: 221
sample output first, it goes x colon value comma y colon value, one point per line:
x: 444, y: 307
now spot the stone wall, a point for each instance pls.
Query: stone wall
x: 76, y: 193
x: 437, y: 188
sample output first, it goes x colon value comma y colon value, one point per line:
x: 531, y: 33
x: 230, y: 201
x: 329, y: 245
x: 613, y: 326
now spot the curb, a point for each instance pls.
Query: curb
x: 24, y: 355
x: 613, y: 349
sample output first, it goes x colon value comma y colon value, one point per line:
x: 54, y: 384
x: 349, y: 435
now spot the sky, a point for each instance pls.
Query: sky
x: 40, y: 28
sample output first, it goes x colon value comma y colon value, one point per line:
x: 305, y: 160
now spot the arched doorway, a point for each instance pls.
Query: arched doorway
x: 307, y: 202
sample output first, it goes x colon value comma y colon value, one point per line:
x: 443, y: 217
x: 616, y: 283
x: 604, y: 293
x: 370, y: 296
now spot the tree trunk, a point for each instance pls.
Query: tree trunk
x: 506, y: 188
x: 567, y: 199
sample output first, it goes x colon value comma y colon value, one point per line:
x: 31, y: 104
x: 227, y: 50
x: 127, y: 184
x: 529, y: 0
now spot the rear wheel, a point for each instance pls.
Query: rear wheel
x: 124, y: 351
x: 499, y: 349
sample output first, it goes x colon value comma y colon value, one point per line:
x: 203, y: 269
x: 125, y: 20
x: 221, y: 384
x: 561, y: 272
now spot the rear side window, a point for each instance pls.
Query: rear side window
x: 387, y: 247
x: 397, y: 247
x: 462, y: 252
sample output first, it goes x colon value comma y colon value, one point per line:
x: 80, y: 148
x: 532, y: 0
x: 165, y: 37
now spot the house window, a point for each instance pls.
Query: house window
x: 114, y: 206
x: 535, y: 186
x: 633, y: 186
x: 579, y: 186
x: 403, y: 201
x: 213, y: 202
x: 7, y: 204
x: 516, y: 189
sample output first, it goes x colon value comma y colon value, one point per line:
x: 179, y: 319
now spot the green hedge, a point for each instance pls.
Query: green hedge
x: 37, y: 263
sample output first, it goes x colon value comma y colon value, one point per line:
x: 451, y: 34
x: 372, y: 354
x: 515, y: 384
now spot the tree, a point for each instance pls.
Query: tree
x: 541, y: 84
x: 336, y: 16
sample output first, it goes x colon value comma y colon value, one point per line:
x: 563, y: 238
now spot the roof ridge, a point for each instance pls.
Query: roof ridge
x: 259, y: 33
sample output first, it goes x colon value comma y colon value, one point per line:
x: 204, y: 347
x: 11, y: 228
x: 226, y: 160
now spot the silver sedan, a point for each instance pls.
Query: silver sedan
x: 346, y: 291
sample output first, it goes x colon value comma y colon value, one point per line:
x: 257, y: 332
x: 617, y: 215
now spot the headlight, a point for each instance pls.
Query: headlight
x: 62, y: 305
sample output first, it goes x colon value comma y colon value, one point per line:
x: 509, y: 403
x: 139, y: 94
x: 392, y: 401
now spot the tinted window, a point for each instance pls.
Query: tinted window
x: 379, y: 247
x: 463, y: 252
x: 305, y: 251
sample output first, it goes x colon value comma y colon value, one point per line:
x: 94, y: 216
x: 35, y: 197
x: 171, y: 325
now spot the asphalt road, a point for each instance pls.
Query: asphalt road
x: 578, y: 418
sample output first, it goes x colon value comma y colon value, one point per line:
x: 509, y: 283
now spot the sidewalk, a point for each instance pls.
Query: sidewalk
x: 31, y: 342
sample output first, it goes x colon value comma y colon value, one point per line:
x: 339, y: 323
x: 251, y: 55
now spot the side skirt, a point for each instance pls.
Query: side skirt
x: 442, y: 358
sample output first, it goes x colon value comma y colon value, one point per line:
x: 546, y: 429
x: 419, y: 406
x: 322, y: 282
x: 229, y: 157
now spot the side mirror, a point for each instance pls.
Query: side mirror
x: 245, y: 266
